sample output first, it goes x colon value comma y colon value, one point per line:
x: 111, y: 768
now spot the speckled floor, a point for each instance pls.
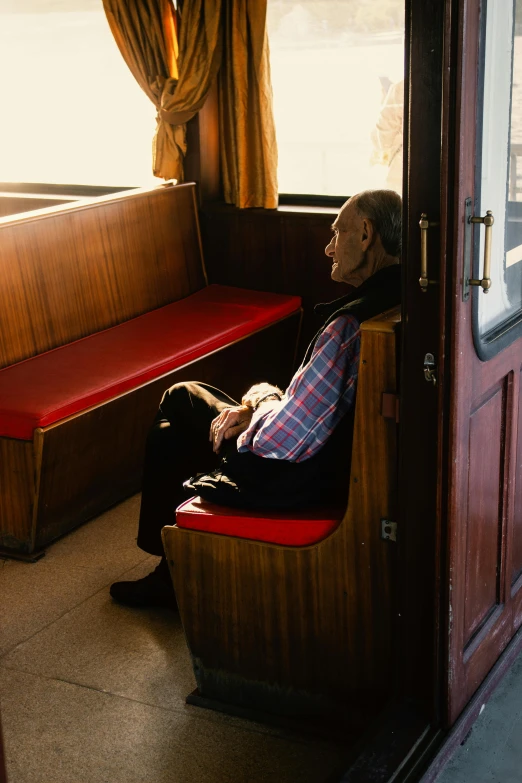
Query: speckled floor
x: 92, y: 692
x: 493, y: 751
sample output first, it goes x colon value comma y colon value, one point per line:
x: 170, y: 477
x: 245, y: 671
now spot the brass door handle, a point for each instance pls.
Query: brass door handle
x: 488, y: 221
x: 424, y: 224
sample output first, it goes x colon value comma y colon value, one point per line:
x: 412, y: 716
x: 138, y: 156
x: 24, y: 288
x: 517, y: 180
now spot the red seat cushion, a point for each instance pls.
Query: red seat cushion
x: 291, y: 528
x: 46, y: 388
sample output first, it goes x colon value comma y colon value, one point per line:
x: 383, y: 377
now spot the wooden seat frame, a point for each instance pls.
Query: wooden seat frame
x: 304, y: 630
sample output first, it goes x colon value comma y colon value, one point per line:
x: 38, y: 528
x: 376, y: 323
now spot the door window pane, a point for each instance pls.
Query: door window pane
x: 500, y: 173
x: 337, y: 77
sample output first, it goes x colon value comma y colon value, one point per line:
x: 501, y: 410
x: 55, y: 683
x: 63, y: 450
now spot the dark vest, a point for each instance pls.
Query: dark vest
x: 247, y: 480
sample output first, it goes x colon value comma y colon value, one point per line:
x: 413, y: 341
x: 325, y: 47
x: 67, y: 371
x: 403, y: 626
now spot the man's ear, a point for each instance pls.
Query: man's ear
x: 367, y: 234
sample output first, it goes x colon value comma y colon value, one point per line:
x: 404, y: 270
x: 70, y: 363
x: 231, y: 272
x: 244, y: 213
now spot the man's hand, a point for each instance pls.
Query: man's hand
x: 230, y: 423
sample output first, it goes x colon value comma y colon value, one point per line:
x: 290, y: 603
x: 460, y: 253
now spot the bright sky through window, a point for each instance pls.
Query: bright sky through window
x: 71, y: 110
x: 332, y: 63
x: 73, y: 113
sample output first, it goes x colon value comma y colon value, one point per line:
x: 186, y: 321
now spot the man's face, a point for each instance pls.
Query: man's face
x: 348, y: 245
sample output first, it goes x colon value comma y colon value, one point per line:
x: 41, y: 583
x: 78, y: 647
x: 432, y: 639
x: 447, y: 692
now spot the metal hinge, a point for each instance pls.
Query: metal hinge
x: 388, y: 530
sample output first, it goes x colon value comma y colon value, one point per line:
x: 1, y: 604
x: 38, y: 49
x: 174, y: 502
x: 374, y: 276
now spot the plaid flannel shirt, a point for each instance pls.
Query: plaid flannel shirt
x: 319, y: 395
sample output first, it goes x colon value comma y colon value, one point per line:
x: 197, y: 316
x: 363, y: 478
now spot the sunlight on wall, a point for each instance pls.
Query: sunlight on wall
x: 71, y: 110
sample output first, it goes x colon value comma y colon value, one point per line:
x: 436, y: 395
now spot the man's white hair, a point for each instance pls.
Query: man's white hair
x: 384, y: 209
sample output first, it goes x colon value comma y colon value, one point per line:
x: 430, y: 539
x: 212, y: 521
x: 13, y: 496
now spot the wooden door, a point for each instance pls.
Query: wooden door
x: 484, y: 359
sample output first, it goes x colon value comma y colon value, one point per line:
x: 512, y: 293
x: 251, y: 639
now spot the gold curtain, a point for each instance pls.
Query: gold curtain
x: 247, y: 133
x: 147, y: 37
x: 225, y: 35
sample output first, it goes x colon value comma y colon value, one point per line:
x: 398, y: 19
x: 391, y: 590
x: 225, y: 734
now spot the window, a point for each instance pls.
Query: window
x: 337, y: 76
x: 71, y: 110
x: 499, y: 126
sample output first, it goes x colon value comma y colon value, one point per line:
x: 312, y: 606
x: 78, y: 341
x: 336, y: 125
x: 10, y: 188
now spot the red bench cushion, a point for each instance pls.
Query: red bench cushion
x: 47, y: 388
x: 290, y: 528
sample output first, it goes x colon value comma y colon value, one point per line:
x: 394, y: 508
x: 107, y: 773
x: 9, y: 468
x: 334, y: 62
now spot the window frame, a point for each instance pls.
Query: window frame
x: 489, y: 344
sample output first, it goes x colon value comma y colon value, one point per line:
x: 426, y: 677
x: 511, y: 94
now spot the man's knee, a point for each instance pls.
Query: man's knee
x: 191, y: 407
x: 178, y: 400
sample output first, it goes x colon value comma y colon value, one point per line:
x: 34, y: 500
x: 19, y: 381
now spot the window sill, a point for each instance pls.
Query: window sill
x: 213, y: 207
x: 306, y: 209
x: 53, y: 190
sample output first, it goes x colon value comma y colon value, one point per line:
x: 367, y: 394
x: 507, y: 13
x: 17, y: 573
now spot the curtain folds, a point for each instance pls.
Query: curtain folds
x: 200, y: 45
x: 177, y: 70
x: 248, y: 145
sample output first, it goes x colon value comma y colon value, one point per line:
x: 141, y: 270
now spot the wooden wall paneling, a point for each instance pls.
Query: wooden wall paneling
x: 321, y: 639
x: 307, y: 268
x: 305, y: 236
x: 272, y: 250
x: 17, y: 492
x: 74, y: 270
x: 88, y: 462
x: 259, y: 237
x: 484, y: 527
x: 201, y: 162
x: 242, y: 247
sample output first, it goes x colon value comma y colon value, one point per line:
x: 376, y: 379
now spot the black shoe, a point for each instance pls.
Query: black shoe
x: 155, y: 589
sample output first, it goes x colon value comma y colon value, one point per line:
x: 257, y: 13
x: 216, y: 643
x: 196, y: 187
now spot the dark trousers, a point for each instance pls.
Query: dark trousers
x: 178, y: 447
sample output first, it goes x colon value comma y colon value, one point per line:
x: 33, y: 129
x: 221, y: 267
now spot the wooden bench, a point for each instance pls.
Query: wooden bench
x: 103, y: 305
x: 293, y: 613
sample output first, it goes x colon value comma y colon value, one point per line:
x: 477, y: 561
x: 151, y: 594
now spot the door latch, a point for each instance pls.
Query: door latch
x: 388, y: 530
x: 429, y: 369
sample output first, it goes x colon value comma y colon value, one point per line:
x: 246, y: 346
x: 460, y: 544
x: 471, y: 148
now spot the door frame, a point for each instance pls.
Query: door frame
x: 433, y: 724
x: 423, y: 413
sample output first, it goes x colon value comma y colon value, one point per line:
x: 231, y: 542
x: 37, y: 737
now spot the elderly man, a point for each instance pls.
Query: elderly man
x: 276, y: 449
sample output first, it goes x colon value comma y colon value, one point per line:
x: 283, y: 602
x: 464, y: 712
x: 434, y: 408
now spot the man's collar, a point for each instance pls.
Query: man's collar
x: 389, y: 276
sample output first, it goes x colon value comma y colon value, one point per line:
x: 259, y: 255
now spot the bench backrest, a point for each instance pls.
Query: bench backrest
x: 69, y: 271
x: 374, y: 452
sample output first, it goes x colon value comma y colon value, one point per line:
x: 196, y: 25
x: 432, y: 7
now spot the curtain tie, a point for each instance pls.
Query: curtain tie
x: 175, y: 117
